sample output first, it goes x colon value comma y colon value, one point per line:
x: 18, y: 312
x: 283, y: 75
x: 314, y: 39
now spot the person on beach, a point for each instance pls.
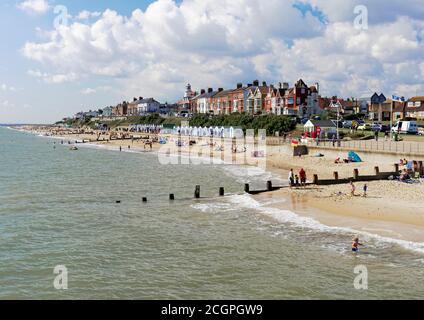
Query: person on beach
x: 291, y: 178
x: 120, y: 149
x: 297, y: 184
x: 356, y: 244
x: 302, y: 175
x: 352, y: 189
x: 365, y: 189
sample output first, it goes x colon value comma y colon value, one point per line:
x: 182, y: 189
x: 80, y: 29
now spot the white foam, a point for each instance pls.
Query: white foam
x: 289, y: 217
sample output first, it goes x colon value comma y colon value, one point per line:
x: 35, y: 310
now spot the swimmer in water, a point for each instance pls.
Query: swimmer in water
x: 356, y: 244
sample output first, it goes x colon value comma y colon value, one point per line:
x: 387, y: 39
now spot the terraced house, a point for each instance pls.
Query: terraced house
x: 256, y: 95
x: 274, y: 100
x: 301, y: 100
x: 221, y: 102
x: 237, y: 98
x: 204, y: 101
x: 415, y: 108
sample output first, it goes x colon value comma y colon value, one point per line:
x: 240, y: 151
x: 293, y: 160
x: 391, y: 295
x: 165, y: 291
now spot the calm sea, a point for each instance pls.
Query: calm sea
x: 58, y: 207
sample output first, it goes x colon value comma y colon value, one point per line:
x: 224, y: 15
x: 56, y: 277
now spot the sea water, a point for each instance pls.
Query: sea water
x: 58, y: 207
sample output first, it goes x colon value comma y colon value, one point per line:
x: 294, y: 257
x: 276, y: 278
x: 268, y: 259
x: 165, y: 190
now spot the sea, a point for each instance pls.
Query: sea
x: 79, y: 216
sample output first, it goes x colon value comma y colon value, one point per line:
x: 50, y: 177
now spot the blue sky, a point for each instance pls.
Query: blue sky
x: 118, y: 53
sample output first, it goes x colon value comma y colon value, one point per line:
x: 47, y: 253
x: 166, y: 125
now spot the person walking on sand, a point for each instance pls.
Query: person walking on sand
x: 120, y: 149
x: 302, y: 175
x: 352, y: 189
x: 356, y: 244
x: 291, y: 178
x: 365, y: 189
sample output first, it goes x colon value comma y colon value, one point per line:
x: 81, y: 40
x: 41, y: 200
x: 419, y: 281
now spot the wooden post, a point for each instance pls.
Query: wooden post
x: 420, y: 168
x: 197, y: 192
x: 336, y: 175
x: 171, y: 196
x: 396, y: 167
x: 246, y: 188
x: 377, y: 171
x: 118, y: 201
x: 221, y: 192
x: 315, y: 179
x: 144, y: 199
x: 355, y: 174
x: 269, y: 185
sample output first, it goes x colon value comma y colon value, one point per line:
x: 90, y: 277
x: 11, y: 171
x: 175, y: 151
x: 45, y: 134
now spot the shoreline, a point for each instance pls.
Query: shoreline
x: 329, y: 205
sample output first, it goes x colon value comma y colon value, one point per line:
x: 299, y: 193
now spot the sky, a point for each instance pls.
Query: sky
x: 59, y: 57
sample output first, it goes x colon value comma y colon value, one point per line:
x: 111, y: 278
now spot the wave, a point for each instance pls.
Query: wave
x: 290, y: 218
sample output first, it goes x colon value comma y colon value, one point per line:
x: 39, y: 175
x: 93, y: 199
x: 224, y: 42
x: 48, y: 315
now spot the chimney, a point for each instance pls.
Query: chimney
x: 285, y: 85
x: 256, y: 83
x: 140, y: 98
x: 210, y: 90
x: 280, y: 85
x: 249, y: 85
x: 135, y: 99
x: 202, y: 91
x: 239, y: 85
x: 264, y: 84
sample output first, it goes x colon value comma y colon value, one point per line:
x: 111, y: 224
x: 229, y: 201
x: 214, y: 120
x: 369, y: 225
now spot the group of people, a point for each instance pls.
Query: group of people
x: 353, y: 189
x: 297, y: 180
x: 339, y: 161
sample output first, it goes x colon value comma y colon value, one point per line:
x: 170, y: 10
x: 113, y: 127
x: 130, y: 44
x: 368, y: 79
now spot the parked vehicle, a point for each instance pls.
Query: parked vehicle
x: 347, y: 124
x: 376, y: 126
x: 421, y: 131
x: 304, y: 120
x: 385, y: 128
x: 364, y: 126
x: 406, y: 127
x: 338, y: 123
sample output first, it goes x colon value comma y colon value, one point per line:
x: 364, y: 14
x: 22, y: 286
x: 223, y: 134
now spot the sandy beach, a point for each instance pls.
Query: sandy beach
x: 391, y: 208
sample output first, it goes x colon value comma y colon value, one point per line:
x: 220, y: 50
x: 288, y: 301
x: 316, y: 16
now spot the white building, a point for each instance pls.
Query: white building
x: 149, y: 105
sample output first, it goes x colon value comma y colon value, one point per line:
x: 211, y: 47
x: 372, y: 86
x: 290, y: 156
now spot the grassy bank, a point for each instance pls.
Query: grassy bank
x: 271, y: 123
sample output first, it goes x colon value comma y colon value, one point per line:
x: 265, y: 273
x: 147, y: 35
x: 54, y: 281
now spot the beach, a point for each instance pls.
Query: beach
x: 391, y: 208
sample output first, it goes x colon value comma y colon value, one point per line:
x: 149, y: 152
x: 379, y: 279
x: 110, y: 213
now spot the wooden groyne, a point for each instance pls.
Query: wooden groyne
x: 356, y: 177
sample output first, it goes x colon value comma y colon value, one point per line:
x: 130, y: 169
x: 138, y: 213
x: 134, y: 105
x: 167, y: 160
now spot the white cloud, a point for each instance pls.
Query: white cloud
x: 85, y: 15
x: 34, y: 6
x: 7, y: 104
x: 53, y: 78
x: 218, y: 43
x: 88, y: 91
x: 5, y: 87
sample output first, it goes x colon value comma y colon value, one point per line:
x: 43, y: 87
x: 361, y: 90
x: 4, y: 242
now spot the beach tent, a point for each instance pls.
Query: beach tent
x: 353, y: 156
